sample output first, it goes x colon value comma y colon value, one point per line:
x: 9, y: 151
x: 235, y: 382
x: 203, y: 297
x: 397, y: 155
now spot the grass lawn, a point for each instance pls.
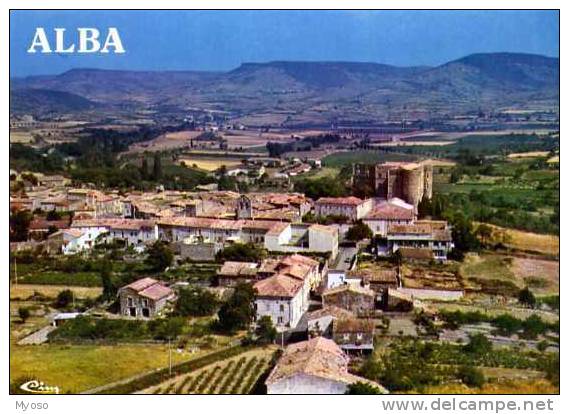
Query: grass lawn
x: 524, y: 240
x: 76, y: 368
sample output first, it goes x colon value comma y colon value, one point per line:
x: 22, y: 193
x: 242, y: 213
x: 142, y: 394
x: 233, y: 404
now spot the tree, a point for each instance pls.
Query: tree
x: 144, y: 170
x: 266, y: 332
x: 166, y: 329
x: 24, y: 313
x: 471, y: 376
x: 109, y: 289
x: 157, y: 167
x: 362, y: 388
x: 359, y: 231
x: 484, y: 233
x: 478, y: 344
x: 239, y: 310
x: 462, y: 236
x: 241, y: 252
x: 196, y: 301
x: 19, y: 225
x: 53, y: 215
x: 526, y: 297
x: 64, y: 298
x: 159, y: 257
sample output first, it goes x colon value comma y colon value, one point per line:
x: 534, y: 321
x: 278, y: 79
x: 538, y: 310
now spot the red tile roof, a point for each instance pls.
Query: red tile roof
x: 350, y: 201
x: 278, y: 286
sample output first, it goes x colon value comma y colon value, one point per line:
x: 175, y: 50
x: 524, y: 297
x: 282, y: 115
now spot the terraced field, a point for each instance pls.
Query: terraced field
x: 235, y: 375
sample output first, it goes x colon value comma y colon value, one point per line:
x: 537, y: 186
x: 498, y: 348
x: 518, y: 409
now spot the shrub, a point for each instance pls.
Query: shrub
x: 478, y: 344
x: 64, y: 299
x: 526, y: 297
x: 196, y: 301
x: 471, y: 376
x: 359, y: 388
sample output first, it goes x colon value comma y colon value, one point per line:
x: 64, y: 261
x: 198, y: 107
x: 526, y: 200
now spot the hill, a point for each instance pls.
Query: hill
x: 42, y: 101
x: 326, y: 90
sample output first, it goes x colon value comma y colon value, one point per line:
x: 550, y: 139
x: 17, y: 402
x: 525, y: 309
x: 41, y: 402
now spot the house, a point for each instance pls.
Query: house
x: 353, y: 208
x: 423, y: 234
x: 283, y: 298
x: 316, y: 366
x: 387, y: 213
x: 232, y: 273
x: 62, y: 317
x: 144, y: 298
x: 322, y: 239
x: 133, y: 232
x: 320, y: 321
x: 130, y: 231
x: 378, y: 280
x: 359, y: 300
x: 40, y: 228
x: 67, y: 241
x: 353, y: 334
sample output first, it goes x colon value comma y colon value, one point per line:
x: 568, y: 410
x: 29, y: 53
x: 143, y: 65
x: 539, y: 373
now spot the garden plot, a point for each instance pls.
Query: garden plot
x: 235, y: 375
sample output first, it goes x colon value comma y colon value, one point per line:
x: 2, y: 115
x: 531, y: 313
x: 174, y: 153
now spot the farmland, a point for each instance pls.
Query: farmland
x: 81, y: 367
x: 209, y: 164
x: 235, y: 375
x: 164, y: 142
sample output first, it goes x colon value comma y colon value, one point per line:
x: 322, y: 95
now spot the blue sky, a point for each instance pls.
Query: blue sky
x: 222, y: 40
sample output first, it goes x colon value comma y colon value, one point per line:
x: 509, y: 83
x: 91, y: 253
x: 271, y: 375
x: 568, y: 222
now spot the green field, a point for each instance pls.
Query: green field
x: 81, y: 367
x: 340, y: 159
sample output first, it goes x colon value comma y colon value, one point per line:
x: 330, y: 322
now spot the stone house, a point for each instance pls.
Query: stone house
x: 359, y: 300
x: 316, y: 366
x: 353, y: 334
x: 320, y: 321
x: 144, y: 298
x: 232, y: 273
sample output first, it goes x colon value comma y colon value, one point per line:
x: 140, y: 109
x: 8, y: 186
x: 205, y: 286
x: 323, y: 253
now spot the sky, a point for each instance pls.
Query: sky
x: 222, y: 40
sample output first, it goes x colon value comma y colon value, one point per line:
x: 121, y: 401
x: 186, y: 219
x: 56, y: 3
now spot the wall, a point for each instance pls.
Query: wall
x: 306, y: 384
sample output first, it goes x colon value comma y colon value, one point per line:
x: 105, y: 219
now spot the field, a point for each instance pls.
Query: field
x: 522, y: 240
x: 542, y: 276
x: 408, y: 143
x: 82, y: 367
x: 530, y: 154
x: 21, y: 291
x: 209, y: 164
x: 21, y: 137
x: 340, y: 159
x: 235, y: 375
x: 166, y: 142
x: 514, y: 386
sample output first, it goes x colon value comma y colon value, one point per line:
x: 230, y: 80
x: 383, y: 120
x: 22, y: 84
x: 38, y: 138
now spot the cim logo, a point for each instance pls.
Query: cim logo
x: 38, y: 387
x: 88, y: 40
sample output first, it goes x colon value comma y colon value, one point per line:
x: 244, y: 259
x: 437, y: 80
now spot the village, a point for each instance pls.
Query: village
x: 323, y: 294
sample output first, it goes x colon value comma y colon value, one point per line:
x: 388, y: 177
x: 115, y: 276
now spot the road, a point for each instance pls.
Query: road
x: 38, y: 337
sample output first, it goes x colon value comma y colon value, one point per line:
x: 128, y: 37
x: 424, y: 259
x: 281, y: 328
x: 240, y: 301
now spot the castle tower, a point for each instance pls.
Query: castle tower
x: 244, y: 208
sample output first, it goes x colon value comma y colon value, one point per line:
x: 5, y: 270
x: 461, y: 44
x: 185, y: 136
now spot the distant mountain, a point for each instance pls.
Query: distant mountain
x: 326, y: 90
x: 41, y: 101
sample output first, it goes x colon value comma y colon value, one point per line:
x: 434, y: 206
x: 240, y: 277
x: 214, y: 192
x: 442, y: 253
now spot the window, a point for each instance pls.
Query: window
x: 346, y: 337
x: 281, y: 308
x: 145, y: 303
x: 280, y: 320
x: 360, y: 336
x: 129, y: 301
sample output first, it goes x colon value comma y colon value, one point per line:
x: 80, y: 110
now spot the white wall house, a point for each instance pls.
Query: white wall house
x: 316, y: 366
x: 283, y: 299
x: 352, y: 207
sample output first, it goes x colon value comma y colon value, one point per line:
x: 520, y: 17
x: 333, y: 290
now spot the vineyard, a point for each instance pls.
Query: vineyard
x: 235, y: 375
